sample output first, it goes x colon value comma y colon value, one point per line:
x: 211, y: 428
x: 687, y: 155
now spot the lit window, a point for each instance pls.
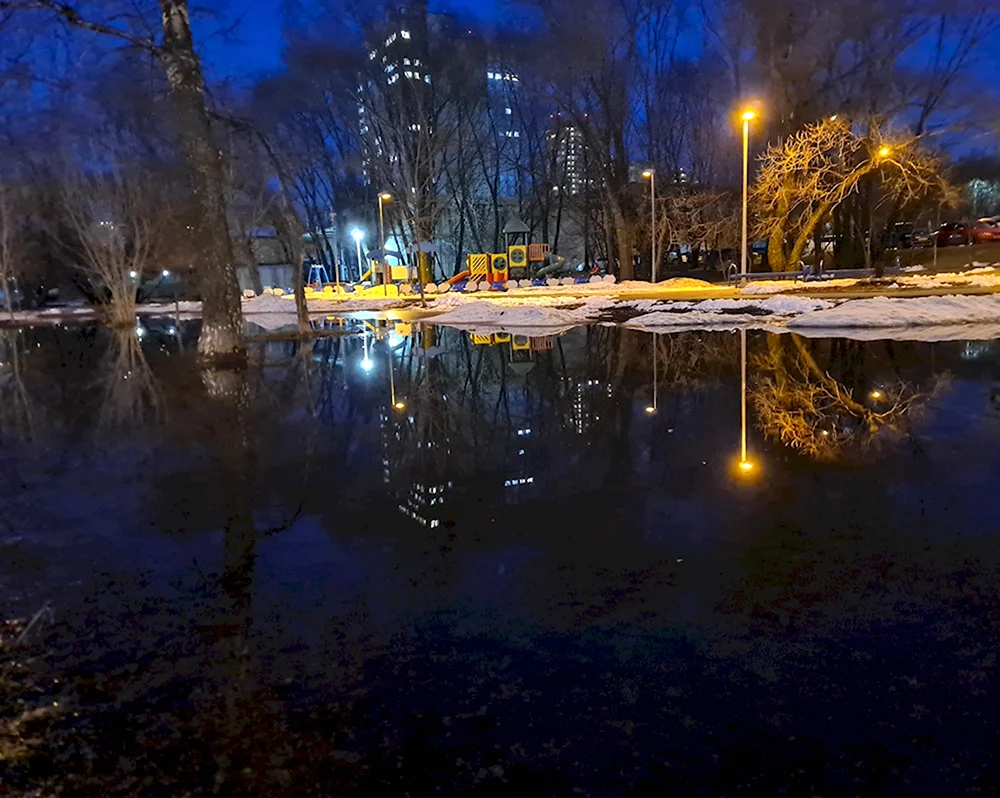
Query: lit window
x: 489, y: 76
x: 507, y: 111
x: 427, y: 78
x: 517, y: 134
x: 416, y: 76
x: 372, y: 55
x: 405, y: 34
x: 406, y: 62
x: 408, y: 73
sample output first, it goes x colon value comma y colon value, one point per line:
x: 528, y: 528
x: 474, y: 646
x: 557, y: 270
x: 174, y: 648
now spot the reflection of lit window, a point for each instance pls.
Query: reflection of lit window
x: 371, y: 55
x: 408, y: 73
x: 427, y: 78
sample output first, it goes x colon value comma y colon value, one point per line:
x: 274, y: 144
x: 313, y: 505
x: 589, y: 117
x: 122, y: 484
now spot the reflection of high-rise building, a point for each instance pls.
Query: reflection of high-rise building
x: 588, y: 396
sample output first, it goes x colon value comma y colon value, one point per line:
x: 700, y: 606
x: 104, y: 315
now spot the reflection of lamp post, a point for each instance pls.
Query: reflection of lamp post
x: 399, y: 405
x: 650, y: 174
x: 651, y: 409
x: 747, y: 116
x: 382, y: 199
x: 366, y: 363
x: 359, y: 236
x: 745, y: 465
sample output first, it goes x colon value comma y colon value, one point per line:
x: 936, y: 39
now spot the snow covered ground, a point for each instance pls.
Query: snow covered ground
x: 772, y: 306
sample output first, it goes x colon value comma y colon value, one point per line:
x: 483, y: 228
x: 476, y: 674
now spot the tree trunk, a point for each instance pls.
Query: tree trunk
x: 222, y: 319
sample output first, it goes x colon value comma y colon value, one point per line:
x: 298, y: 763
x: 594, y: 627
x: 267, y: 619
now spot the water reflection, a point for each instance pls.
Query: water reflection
x: 831, y: 400
x: 18, y: 414
x: 130, y: 395
x: 341, y: 552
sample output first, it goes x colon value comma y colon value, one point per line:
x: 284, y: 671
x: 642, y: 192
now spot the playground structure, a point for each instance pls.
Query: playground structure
x: 522, y: 264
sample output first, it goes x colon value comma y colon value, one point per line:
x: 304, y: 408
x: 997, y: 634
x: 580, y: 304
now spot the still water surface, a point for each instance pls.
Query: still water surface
x: 525, y: 567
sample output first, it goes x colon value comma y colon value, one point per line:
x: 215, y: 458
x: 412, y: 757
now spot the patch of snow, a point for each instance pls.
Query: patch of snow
x: 886, y: 312
x: 779, y: 305
x: 688, y: 321
x: 497, y: 315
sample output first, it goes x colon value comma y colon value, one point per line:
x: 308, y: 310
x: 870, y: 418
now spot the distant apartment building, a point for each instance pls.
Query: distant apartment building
x: 567, y: 149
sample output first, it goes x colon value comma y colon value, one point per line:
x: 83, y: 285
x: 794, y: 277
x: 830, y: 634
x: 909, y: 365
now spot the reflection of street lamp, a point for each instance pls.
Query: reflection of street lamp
x: 650, y: 175
x: 651, y: 409
x: 392, y: 381
x: 746, y: 466
x: 747, y: 116
x: 382, y: 199
x: 366, y: 363
x: 359, y: 235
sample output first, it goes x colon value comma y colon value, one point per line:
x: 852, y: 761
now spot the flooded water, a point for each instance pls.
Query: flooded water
x: 416, y: 561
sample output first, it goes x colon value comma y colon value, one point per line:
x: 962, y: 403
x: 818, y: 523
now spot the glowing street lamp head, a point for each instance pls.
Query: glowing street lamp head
x: 648, y: 173
x: 367, y: 364
x: 400, y: 405
x: 384, y: 197
x: 358, y: 235
x: 650, y: 409
x: 885, y: 152
x: 876, y: 395
x: 746, y: 467
x: 746, y: 116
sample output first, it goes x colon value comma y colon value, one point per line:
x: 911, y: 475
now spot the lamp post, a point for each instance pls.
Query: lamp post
x: 382, y: 199
x: 747, y: 116
x: 359, y: 236
x: 650, y: 175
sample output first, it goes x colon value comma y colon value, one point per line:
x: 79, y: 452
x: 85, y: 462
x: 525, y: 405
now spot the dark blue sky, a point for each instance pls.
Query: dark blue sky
x: 255, y: 46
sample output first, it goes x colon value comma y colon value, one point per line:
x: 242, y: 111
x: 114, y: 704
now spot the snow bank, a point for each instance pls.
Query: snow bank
x: 495, y: 315
x: 268, y: 303
x: 779, y: 305
x: 886, y: 312
x: 662, y: 321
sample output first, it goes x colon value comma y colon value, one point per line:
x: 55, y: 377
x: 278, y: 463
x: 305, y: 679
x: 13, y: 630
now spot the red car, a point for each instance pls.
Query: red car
x: 966, y: 233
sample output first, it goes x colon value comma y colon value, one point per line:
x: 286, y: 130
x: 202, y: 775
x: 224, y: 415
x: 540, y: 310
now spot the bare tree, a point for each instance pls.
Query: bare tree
x: 222, y: 324
x: 804, y: 179
x: 10, y: 239
x: 111, y: 223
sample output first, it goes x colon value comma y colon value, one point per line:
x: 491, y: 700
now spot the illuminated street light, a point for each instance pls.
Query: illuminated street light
x: 650, y: 175
x: 885, y: 152
x: 359, y: 235
x: 165, y: 273
x: 746, y: 117
x: 650, y: 409
x: 876, y: 395
x: 400, y: 405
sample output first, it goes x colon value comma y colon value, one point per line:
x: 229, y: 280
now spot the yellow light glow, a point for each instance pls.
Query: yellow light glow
x: 885, y: 152
x: 400, y: 405
x: 748, y: 115
x: 650, y: 409
x: 647, y: 174
x: 746, y: 466
x: 876, y: 394
x: 385, y: 197
x: 833, y: 118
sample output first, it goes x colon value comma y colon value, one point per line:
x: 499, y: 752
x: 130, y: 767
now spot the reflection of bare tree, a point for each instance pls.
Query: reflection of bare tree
x: 17, y: 414
x: 131, y: 395
x: 801, y: 405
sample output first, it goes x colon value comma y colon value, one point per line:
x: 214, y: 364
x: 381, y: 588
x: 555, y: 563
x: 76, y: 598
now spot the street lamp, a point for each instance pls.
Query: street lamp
x: 650, y: 175
x: 746, y: 117
x: 359, y: 235
x: 382, y: 199
x: 885, y: 152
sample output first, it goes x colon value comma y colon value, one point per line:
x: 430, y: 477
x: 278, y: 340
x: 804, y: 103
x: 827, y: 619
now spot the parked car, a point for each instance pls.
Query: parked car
x: 966, y: 233
x: 924, y: 238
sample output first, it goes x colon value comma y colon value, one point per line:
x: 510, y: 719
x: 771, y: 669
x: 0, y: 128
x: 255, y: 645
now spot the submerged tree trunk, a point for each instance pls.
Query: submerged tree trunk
x: 222, y: 322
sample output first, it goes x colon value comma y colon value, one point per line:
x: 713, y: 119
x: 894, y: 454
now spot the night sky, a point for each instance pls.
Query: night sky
x: 255, y: 46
